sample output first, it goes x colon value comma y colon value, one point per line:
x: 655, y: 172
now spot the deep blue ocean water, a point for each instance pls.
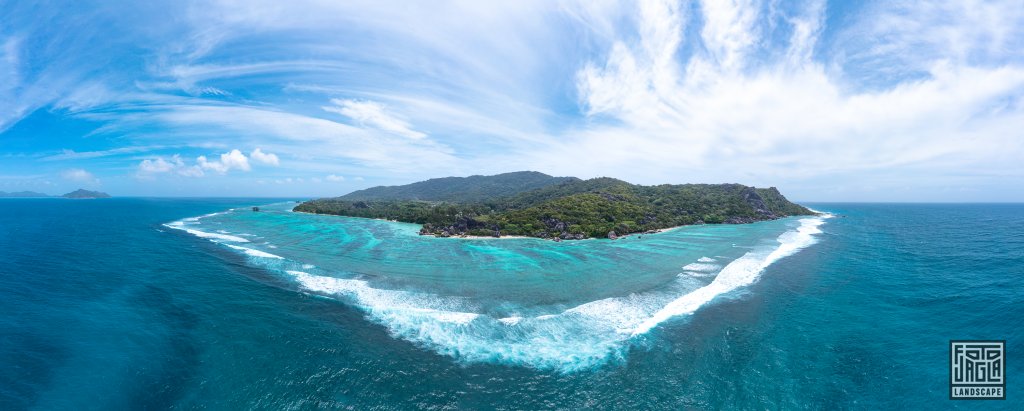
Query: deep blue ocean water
x: 113, y: 304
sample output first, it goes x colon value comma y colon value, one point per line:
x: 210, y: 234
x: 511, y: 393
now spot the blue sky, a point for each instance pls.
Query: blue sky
x: 829, y: 101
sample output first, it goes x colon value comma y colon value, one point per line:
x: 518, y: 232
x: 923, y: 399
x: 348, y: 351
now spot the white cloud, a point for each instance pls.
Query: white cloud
x: 259, y: 156
x: 907, y: 37
x: 67, y: 154
x: 728, y: 30
x: 235, y: 160
x: 190, y: 171
x: 373, y: 114
x: 335, y: 178
x: 149, y: 167
x: 79, y: 175
x: 752, y: 91
x: 314, y: 140
x: 158, y: 165
x: 726, y: 114
x: 232, y: 160
x: 211, y: 165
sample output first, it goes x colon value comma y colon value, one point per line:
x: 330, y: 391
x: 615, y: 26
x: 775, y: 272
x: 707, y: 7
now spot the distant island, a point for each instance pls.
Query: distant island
x: 529, y: 203
x: 80, y: 193
x: 21, y: 194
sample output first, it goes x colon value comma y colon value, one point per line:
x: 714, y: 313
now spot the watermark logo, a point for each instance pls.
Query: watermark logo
x: 977, y: 370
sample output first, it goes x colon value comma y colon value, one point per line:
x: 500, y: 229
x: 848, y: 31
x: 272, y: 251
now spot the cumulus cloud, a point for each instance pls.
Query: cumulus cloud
x: 335, y: 178
x: 235, y: 160
x: 149, y: 167
x: 259, y: 156
x: 158, y: 165
x: 232, y: 160
x: 79, y: 175
x: 373, y: 114
x: 211, y: 165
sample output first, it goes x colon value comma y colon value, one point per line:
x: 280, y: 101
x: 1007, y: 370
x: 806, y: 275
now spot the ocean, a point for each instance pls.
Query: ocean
x: 159, y: 303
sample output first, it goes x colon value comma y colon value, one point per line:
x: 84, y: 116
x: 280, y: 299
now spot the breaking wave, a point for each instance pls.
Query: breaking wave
x: 580, y: 337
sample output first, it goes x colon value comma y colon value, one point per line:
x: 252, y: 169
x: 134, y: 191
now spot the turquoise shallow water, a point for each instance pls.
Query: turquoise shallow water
x: 515, y: 301
x: 113, y: 304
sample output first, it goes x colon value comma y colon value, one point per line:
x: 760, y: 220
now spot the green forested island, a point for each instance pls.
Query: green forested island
x: 82, y: 193
x: 529, y: 203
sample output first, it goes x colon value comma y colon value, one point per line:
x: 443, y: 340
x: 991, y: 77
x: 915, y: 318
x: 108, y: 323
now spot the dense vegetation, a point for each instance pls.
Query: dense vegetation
x: 562, y: 208
x: 461, y: 189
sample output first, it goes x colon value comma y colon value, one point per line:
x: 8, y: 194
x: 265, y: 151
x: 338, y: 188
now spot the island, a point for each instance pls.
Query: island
x: 22, y: 194
x: 80, y: 193
x: 533, y: 204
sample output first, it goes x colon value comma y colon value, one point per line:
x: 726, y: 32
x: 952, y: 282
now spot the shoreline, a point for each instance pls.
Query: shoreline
x: 506, y: 237
x: 552, y: 239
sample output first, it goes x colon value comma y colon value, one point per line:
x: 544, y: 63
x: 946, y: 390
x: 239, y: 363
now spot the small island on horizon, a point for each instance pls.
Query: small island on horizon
x: 77, y: 194
x: 82, y: 193
x: 533, y: 204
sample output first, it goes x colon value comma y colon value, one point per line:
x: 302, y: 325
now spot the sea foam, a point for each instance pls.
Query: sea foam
x: 255, y: 253
x: 206, y: 235
x: 580, y: 337
x: 741, y: 272
x: 706, y: 267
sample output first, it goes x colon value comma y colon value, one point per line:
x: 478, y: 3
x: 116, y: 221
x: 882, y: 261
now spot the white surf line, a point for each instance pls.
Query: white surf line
x: 206, y: 235
x: 378, y: 302
x: 531, y: 341
x: 823, y: 214
x: 577, y: 338
x: 705, y: 267
x: 741, y: 272
x: 255, y: 253
x: 185, y: 223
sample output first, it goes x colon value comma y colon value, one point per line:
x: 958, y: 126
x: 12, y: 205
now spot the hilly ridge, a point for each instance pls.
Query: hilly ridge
x: 461, y: 189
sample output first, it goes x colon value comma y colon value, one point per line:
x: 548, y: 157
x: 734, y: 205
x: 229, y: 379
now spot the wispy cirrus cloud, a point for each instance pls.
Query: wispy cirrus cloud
x: 375, y: 115
x: 792, y: 117
x: 67, y: 154
x: 879, y: 98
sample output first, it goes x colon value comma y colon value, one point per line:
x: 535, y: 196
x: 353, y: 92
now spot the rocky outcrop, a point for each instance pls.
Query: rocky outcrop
x: 612, y: 236
x: 462, y: 227
x: 554, y: 224
x: 755, y: 201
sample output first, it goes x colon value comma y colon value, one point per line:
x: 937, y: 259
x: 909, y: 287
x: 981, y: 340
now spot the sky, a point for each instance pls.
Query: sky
x: 826, y: 100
